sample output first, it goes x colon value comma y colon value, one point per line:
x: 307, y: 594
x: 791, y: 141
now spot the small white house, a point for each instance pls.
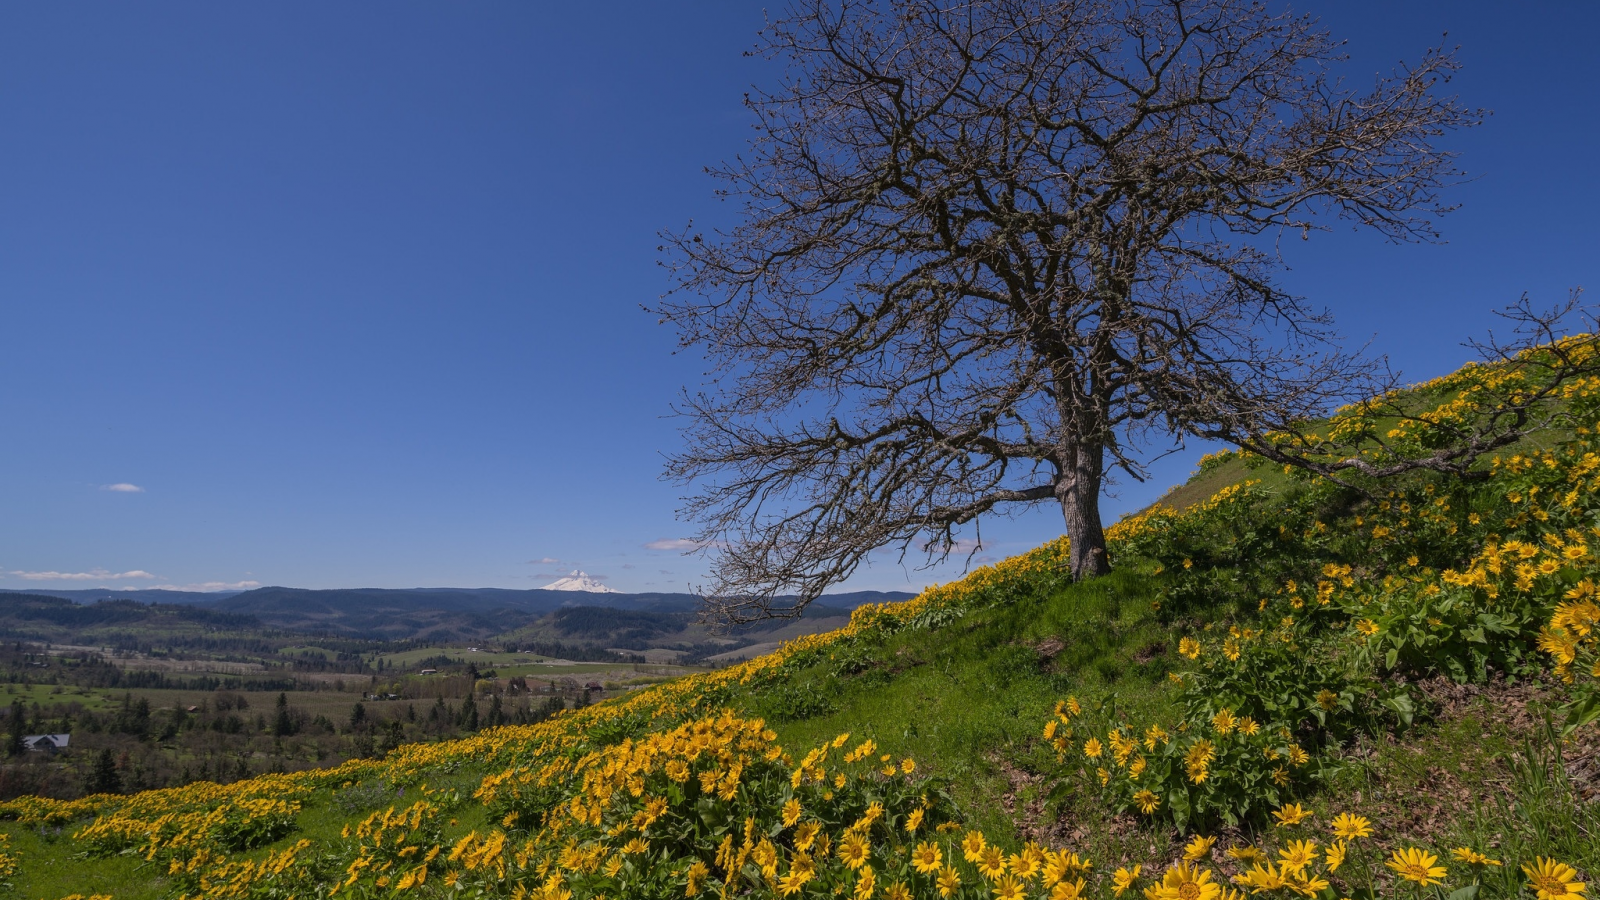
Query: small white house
x: 47, y: 743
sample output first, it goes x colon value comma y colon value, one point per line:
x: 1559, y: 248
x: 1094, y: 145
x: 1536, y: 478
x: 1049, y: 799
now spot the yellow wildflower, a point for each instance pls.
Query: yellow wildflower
x: 973, y: 845
x: 865, y: 883
x: 1067, y: 890
x: 1416, y: 865
x: 696, y: 874
x: 1261, y: 879
x: 1335, y: 855
x: 1224, y: 721
x: 1350, y: 826
x: 1291, y: 814
x: 1245, y: 853
x: 1186, y: 882
x: 1296, y: 856
x: 914, y: 820
x: 991, y: 863
x: 853, y: 849
x: 1199, y: 848
x: 1553, y: 880
x: 1008, y: 888
x: 1473, y: 858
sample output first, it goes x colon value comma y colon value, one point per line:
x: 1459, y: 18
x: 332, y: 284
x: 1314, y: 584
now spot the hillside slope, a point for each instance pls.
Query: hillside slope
x: 1291, y: 685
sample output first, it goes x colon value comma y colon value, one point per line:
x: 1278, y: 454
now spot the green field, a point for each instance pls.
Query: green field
x: 483, y: 659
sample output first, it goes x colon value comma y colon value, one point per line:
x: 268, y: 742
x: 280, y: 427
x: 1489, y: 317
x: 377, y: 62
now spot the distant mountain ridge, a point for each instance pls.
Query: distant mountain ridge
x: 36, y: 616
x: 442, y: 614
x: 145, y: 595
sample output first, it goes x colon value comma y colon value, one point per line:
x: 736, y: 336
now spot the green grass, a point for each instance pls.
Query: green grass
x: 52, y: 867
x: 46, y: 694
x: 967, y: 701
x: 484, y: 659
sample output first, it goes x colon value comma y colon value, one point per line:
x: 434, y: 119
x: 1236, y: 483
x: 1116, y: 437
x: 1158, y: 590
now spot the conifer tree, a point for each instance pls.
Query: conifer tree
x: 17, y: 731
x: 104, y: 777
x: 282, y: 724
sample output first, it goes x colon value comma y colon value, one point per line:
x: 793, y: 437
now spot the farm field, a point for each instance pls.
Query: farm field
x: 483, y: 659
x: 165, y: 717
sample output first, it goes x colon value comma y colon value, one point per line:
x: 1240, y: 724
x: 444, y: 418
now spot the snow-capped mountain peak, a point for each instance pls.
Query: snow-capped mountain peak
x: 579, y: 581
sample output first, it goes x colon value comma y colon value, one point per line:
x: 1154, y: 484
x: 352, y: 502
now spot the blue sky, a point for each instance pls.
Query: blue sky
x: 348, y: 294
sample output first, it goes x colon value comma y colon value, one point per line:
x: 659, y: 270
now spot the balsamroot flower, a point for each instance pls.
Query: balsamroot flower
x: 1416, y: 865
x: 1186, y: 882
x: 1553, y: 880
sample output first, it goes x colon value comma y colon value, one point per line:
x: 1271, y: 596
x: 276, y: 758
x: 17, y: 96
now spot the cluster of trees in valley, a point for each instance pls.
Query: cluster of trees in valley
x: 163, y: 694
x: 165, y: 731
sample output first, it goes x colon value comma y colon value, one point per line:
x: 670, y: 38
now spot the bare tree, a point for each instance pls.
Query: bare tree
x: 988, y: 252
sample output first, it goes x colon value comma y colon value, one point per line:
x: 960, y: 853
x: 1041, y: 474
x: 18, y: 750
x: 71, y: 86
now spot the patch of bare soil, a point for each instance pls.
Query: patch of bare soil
x: 1149, y: 652
x: 1049, y: 648
x: 1032, y: 819
x: 1582, y: 760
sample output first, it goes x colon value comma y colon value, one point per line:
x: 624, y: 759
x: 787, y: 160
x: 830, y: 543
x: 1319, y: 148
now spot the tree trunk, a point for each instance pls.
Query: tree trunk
x: 1079, y: 493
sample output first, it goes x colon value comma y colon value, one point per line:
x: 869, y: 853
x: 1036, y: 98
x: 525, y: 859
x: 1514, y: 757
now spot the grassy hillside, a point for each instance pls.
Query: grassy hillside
x: 1287, y: 688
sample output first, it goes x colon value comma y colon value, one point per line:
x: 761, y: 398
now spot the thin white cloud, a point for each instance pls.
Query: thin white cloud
x: 95, y: 575
x: 211, y: 586
x: 122, y: 487
x: 544, y: 561
x: 679, y: 544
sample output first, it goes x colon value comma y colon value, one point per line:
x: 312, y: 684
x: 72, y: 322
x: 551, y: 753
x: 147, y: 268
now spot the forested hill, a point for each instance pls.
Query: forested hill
x: 450, y: 614
x: 143, y: 595
x: 32, y: 616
